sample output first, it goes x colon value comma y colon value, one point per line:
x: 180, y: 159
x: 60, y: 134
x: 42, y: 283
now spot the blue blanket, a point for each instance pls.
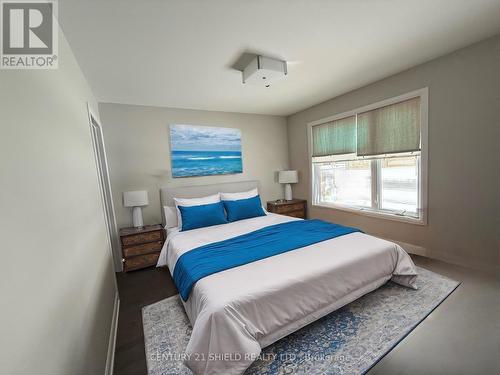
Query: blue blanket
x: 263, y: 243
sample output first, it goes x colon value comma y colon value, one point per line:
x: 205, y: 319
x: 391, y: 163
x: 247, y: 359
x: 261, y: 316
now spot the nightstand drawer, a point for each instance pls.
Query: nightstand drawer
x: 142, y: 261
x: 300, y: 214
x: 141, y: 246
x: 294, y: 208
x: 145, y: 248
x: 289, y: 208
x: 142, y: 238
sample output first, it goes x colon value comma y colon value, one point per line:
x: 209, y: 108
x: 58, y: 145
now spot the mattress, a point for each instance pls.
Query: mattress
x: 237, y: 312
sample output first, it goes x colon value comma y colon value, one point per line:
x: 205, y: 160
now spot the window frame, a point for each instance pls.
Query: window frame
x: 423, y: 93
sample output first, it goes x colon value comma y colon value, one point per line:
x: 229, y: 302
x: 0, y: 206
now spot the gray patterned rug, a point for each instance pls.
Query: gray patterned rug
x: 348, y: 341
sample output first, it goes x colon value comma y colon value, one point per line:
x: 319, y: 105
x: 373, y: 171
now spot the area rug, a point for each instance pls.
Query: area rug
x: 350, y: 340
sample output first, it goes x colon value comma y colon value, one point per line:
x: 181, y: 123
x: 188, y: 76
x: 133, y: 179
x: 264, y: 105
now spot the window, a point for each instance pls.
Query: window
x: 373, y: 160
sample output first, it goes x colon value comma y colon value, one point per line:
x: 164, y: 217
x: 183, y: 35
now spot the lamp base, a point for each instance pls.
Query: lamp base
x: 288, y: 192
x: 137, y: 217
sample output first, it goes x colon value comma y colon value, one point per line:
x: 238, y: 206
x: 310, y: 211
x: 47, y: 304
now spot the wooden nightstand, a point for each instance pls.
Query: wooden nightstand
x: 295, y: 207
x: 141, y: 246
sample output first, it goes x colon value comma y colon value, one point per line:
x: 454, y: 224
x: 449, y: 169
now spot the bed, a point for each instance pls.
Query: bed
x: 237, y: 312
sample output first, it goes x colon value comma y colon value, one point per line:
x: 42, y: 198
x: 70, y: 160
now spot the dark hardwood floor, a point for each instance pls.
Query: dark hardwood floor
x: 462, y: 336
x: 137, y: 289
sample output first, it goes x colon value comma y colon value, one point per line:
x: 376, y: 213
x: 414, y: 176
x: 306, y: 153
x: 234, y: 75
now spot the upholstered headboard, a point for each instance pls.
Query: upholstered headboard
x: 167, y: 194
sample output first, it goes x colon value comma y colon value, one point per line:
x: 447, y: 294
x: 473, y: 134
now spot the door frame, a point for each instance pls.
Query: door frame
x: 105, y: 187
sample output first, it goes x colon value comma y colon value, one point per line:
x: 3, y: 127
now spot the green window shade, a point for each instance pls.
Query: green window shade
x: 335, y: 138
x: 391, y: 129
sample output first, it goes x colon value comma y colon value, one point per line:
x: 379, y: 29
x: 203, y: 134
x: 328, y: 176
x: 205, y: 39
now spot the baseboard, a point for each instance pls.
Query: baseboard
x: 447, y: 258
x: 413, y: 249
x: 467, y: 262
x: 110, y: 360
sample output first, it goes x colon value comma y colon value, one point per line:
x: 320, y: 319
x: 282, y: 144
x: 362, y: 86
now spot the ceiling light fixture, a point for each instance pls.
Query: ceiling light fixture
x: 264, y: 71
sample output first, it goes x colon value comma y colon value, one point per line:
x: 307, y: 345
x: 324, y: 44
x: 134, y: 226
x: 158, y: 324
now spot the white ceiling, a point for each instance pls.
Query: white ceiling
x: 179, y: 53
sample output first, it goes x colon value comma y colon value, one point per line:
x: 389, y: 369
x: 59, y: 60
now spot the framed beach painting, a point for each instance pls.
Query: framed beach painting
x: 204, y: 150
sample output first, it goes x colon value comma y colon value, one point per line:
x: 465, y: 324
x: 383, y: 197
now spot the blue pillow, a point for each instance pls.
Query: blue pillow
x: 204, y: 215
x: 243, y: 208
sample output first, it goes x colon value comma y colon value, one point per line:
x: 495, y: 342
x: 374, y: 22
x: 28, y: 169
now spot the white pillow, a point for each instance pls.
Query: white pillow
x: 170, y: 214
x: 188, y: 202
x: 237, y: 196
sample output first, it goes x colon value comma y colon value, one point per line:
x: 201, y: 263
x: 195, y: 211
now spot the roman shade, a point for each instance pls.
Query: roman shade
x: 391, y: 129
x: 335, y: 138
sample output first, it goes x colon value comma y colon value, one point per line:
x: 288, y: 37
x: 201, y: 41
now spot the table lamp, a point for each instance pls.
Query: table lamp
x: 136, y: 199
x: 288, y: 177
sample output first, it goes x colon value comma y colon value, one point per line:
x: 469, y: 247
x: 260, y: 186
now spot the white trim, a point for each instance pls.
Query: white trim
x: 371, y: 213
x: 106, y: 193
x: 424, y: 152
x: 110, y: 359
x: 423, y: 170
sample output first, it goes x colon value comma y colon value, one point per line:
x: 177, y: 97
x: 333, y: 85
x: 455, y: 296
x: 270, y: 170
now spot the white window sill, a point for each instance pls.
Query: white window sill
x: 367, y: 212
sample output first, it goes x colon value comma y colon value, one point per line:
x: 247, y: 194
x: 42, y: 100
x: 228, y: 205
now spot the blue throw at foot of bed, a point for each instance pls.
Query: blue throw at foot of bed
x: 250, y: 247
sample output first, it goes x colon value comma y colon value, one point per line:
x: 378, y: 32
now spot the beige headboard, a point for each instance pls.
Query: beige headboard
x: 167, y: 194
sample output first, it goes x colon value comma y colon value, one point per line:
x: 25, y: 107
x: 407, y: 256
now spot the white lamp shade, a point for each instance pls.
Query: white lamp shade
x: 288, y: 177
x: 135, y: 198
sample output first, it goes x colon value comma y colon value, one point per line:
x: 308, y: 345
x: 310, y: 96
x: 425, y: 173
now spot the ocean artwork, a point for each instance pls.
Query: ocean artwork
x: 205, y: 150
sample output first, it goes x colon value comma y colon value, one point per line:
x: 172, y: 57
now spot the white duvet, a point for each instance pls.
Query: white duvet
x: 235, y: 313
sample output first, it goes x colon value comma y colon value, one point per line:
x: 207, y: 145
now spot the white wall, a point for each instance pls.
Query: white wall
x: 138, y: 149
x: 464, y: 178
x: 57, y: 281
